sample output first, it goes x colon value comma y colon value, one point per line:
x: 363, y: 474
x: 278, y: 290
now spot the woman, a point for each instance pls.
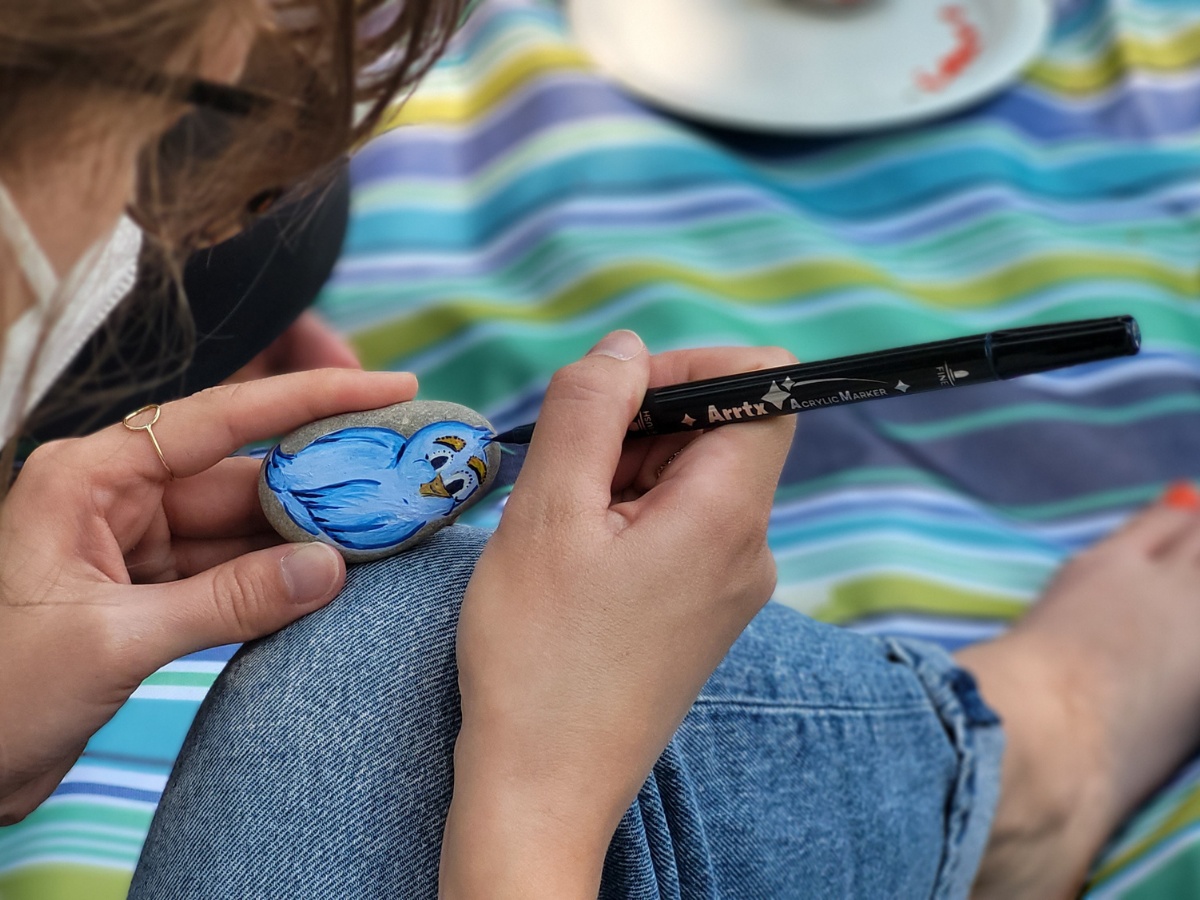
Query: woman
x: 532, y: 744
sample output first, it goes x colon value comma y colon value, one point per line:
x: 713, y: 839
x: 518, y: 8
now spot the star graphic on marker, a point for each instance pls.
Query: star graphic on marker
x: 902, y: 387
x: 776, y: 395
x: 787, y: 384
x: 688, y: 420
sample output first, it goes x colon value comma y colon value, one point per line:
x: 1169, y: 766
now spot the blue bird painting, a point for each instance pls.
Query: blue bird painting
x: 370, y: 488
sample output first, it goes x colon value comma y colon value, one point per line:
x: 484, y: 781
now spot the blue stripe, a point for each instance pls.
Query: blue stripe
x: 642, y: 172
x: 94, y: 789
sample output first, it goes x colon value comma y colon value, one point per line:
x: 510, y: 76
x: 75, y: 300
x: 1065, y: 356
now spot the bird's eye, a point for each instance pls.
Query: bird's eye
x: 440, y: 460
x: 461, y: 484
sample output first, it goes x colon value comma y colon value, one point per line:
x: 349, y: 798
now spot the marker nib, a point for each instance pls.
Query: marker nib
x: 519, y: 435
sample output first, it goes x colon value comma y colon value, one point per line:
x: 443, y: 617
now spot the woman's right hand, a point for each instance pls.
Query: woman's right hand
x: 617, y: 580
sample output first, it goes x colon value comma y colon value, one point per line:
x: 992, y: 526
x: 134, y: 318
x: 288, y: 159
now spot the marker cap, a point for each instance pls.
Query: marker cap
x: 1024, y: 351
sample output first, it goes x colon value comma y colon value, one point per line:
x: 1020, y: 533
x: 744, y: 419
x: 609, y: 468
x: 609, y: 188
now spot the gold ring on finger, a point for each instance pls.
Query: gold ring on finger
x: 153, y: 411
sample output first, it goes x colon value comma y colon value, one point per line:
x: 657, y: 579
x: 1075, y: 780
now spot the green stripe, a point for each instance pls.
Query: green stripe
x: 887, y: 594
x: 181, y: 679
x: 63, y: 882
x: 67, y: 812
x: 78, y: 829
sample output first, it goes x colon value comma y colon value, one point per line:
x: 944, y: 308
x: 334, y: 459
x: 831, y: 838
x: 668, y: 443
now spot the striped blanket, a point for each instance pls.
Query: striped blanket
x: 527, y: 207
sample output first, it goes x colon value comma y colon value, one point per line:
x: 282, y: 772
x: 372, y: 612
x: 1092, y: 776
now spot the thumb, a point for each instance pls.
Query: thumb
x: 245, y: 598
x: 582, y: 425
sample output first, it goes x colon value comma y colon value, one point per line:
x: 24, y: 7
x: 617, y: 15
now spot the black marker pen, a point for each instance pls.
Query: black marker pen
x: 869, y: 376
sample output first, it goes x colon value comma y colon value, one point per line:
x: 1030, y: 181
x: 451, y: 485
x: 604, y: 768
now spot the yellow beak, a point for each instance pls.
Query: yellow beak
x: 435, y: 488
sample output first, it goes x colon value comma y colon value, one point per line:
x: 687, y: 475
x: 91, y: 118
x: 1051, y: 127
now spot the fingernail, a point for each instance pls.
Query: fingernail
x: 310, y: 572
x: 623, y: 344
x: 1182, y: 495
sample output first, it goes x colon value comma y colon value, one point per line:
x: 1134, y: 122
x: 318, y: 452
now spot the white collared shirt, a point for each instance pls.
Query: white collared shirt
x: 44, y: 339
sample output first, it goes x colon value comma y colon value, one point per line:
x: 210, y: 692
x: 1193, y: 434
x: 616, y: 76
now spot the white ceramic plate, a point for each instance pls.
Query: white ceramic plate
x: 793, y: 65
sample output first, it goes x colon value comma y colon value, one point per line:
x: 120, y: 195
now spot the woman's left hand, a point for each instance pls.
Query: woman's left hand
x: 110, y: 569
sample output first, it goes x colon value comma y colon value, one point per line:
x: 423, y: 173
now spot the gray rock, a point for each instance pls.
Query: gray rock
x: 405, y: 489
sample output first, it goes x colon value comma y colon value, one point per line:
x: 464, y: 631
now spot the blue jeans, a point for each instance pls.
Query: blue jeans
x: 816, y: 762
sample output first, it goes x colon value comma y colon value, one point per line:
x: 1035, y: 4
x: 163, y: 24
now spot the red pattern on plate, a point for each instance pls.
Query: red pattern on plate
x: 966, y: 50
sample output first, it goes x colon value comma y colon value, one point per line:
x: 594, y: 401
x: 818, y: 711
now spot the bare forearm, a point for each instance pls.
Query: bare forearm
x: 505, y: 839
x: 484, y: 856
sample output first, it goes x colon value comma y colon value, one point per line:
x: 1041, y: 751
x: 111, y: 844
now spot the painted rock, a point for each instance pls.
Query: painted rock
x: 374, y: 483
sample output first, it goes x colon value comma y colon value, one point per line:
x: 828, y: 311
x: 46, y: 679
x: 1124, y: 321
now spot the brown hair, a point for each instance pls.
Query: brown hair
x: 325, y: 70
x: 321, y: 75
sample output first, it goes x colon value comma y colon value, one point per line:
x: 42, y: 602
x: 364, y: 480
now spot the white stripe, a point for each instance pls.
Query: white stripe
x: 89, y: 772
x: 925, y: 505
x: 181, y: 693
x: 957, y: 554
x: 199, y: 667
